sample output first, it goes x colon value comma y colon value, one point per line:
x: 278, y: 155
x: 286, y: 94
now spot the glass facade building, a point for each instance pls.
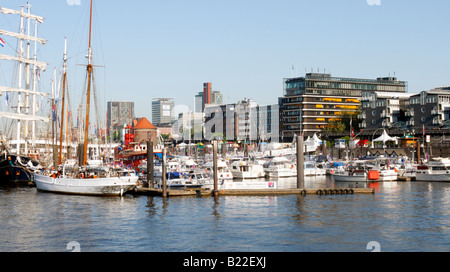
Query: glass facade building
x: 309, y: 102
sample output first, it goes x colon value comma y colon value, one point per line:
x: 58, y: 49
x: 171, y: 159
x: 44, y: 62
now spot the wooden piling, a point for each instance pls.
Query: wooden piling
x: 163, y: 164
x: 150, y: 164
x: 216, y: 187
x: 300, y: 161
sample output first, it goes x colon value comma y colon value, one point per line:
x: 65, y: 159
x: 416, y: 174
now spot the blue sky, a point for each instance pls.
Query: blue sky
x: 168, y: 48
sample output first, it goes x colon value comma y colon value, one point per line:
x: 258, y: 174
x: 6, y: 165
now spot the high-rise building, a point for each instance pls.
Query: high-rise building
x: 206, y: 93
x: 162, y: 111
x: 242, y: 121
x: 309, y: 103
x: 207, y: 97
x: 119, y: 114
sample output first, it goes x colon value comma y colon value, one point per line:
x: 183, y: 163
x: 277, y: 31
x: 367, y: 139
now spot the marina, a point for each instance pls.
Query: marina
x: 332, y: 164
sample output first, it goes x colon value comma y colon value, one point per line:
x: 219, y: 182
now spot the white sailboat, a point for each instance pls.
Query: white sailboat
x: 87, y: 180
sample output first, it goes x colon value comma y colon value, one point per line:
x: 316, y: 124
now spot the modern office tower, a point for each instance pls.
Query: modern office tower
x: 207, y: 97
x: 119, y: 113
x: 198, y: 102
x: 242, y: 121
x: 207, y: 87
x: 429, y: 109
x: 162, y: 111
x: 309, y: 103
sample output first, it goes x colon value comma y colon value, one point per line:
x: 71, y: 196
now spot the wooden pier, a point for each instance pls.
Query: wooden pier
x: 254, y: 192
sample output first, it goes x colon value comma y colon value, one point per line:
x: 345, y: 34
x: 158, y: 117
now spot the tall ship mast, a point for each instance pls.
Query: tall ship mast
x: 15, y: 164
x: 87, y: 177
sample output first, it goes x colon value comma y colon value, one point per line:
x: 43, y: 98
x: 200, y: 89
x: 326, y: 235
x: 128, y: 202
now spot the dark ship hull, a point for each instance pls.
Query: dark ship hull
x: 14, y: 171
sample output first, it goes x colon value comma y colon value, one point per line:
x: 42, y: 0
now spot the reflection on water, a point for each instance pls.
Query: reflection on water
x: 400, y: 216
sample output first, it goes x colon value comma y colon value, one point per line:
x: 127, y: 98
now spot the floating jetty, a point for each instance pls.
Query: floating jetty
x: 253, y: 192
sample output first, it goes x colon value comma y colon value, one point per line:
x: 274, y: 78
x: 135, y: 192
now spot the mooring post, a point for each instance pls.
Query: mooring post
x: 216, y: 189
x: 164, y: 185
x: 150, y: 170
x: 300, y: 167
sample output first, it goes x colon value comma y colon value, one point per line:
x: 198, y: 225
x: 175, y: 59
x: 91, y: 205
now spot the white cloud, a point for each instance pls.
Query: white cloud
x: 73, y: 2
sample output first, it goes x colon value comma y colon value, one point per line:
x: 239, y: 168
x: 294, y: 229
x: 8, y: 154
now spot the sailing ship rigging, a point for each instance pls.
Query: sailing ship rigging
x: 88, y: 178
x: 15, y: 165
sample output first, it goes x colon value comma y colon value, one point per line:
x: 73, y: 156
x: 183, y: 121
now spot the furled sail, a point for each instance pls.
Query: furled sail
x: 40, y: 19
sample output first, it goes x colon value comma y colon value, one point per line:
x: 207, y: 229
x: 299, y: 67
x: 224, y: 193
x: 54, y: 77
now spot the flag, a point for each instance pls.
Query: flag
x: 7, y: 99
x: 423, y: 126
x: 2, y: 42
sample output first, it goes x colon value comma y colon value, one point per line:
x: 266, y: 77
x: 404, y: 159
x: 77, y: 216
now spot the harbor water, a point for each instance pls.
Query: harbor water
x: 399, y: 217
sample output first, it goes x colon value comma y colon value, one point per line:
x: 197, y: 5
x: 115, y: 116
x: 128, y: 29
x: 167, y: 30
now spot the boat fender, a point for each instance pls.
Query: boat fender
x: 319, y: 192
x: 351, y: 191
x: 331, y: 192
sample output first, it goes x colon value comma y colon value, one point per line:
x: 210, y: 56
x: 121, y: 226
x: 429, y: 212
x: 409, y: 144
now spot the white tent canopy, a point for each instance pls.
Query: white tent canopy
x: 385, y: 138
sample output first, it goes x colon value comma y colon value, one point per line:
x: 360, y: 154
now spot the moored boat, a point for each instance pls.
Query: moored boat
x: 280, y: 167
x: 437, y: 169
x: 88, y: 183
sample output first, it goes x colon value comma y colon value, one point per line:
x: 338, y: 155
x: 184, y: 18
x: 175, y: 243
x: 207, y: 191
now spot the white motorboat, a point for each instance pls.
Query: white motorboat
x: 355, y: 175
x: 280, y: 167
x: 311, y: 169
x: 437, y: 169
x: 246, y: 169
x: 356, y: 171
x: 223, y: 172
x: 178, y: 180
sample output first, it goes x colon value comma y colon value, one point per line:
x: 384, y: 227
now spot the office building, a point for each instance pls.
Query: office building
x: 207, y: 97
x: 119, y: 114
x: 309, y: 103
x: 242, y: 121
x: 162, y: 111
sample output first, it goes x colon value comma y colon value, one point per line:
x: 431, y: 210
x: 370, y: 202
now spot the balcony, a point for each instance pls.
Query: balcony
x: 435, y: 111
x: 436, y: 121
